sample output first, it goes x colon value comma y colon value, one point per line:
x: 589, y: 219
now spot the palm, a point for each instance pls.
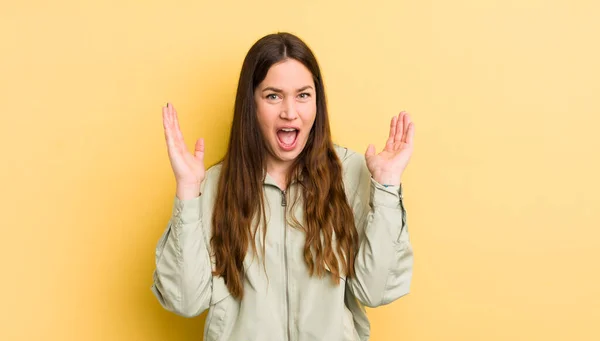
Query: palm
x: 187, y: 167
x: 387, y: 166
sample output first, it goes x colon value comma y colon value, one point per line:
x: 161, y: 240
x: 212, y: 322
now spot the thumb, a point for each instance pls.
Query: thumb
x: 199, y: 149
x: 370, y: 151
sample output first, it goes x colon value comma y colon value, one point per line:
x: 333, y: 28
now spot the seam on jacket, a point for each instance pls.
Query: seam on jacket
x: 164, y: 238
x: 398, y: 247
x: 397, y: 244
x: 179, y: 259
x: 404, y: 225
x: 389, y: 267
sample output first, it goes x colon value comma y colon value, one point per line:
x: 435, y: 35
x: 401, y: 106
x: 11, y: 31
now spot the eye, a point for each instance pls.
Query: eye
x: 272, y: 97
x: 304, y: 95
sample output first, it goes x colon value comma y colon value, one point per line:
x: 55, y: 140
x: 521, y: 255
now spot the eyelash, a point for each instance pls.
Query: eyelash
x: 304, y: 93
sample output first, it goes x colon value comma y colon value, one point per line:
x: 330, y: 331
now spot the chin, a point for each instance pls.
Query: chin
x: 288, y: 155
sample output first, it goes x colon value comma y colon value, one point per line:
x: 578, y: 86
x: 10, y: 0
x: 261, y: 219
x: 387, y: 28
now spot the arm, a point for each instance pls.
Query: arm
x: 182, y: 278
x: 183, y: 274
x: 384, y: 261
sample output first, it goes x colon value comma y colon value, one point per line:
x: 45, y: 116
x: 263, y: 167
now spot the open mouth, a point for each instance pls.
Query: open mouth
x: 287, y: 138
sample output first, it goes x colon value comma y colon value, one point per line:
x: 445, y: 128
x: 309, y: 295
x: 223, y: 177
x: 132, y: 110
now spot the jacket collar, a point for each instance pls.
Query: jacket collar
x: 268, y: 179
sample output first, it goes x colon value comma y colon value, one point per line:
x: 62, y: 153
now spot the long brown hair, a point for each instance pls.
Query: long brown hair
x: 239, y: 200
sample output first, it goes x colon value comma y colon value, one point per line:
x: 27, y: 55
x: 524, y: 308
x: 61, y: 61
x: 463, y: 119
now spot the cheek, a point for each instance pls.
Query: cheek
x: 266, y: 117
x: 309, y: 113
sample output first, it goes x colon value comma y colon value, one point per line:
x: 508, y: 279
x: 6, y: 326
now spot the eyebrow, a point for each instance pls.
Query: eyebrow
x: 270, y: 88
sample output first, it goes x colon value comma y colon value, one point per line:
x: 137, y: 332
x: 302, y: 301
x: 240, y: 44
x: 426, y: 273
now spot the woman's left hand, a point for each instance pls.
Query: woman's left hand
x: 387, y: 167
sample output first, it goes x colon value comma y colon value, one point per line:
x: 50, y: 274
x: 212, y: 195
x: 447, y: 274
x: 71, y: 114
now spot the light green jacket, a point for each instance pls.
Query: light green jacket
x: 286, y: 303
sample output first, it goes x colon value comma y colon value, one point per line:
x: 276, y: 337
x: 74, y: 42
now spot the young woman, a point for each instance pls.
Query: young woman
x: 289, y: 236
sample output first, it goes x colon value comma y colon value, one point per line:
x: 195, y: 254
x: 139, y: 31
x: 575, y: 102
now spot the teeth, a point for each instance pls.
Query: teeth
x: 288, y: 129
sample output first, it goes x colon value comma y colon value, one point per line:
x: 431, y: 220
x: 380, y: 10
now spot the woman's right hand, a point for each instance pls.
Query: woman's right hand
x: 188, y: 169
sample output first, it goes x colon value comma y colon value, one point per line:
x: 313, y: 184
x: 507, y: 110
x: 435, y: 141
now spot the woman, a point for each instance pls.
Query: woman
x: 289, y: 236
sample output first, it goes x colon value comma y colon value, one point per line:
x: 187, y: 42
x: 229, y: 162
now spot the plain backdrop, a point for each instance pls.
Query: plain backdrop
x: 501, y: 193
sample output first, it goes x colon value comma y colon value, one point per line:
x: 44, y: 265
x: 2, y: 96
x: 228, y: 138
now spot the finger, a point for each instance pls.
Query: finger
x: 168, y: 130
x: 407, y: 122
x: 199, y: 149
x: 175, y: 133
x: 370, y: 151
x: 178, y: 132
x: 166, y: 120
x: 411, y: 134
x: 400, y: 127
x: 169, y: 116
x: 164, y: 117
x: 391, y: 137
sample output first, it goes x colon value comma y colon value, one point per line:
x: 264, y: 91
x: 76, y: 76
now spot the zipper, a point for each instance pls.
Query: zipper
x: 287, y: 287
x: 283, y: 201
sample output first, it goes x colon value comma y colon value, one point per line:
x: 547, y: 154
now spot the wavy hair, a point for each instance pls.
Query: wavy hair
x: 331, y: 236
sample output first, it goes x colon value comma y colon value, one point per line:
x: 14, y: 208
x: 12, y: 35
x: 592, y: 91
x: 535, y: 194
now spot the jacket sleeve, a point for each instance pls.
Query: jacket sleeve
x: 182, y: 277
x: 384, y: 261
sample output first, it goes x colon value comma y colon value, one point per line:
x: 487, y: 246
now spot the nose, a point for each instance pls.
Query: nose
x: 288, y: 110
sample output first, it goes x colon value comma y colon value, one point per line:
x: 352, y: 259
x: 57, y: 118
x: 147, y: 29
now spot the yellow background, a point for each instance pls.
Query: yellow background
x: 502, y: 191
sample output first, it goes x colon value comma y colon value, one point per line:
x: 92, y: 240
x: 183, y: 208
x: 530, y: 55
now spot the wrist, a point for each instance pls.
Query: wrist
x: 388, y: 181
x: 187, y: 192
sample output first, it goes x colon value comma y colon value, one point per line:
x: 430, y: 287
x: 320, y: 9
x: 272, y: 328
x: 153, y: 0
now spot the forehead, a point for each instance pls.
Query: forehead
x: 289, y: 73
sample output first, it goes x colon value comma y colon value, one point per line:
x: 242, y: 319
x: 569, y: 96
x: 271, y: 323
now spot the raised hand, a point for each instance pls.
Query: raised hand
x: 387, y: 167
x: 187, y: 167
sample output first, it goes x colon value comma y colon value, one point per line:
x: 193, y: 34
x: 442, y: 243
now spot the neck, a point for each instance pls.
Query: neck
x: 279, y: 171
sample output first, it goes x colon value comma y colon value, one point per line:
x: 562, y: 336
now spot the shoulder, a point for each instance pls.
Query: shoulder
x: 350, y: 159
x: 214, y: 171
x: 354, y: 166
x: 211, y: 178
x: 356, y: 178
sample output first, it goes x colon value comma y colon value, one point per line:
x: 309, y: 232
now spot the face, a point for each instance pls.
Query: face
x: 287, y: 107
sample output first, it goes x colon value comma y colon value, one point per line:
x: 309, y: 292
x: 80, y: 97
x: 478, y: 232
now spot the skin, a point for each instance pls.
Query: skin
x: 388, y: 166
x: 188, y: 168
x: 286, y: 97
